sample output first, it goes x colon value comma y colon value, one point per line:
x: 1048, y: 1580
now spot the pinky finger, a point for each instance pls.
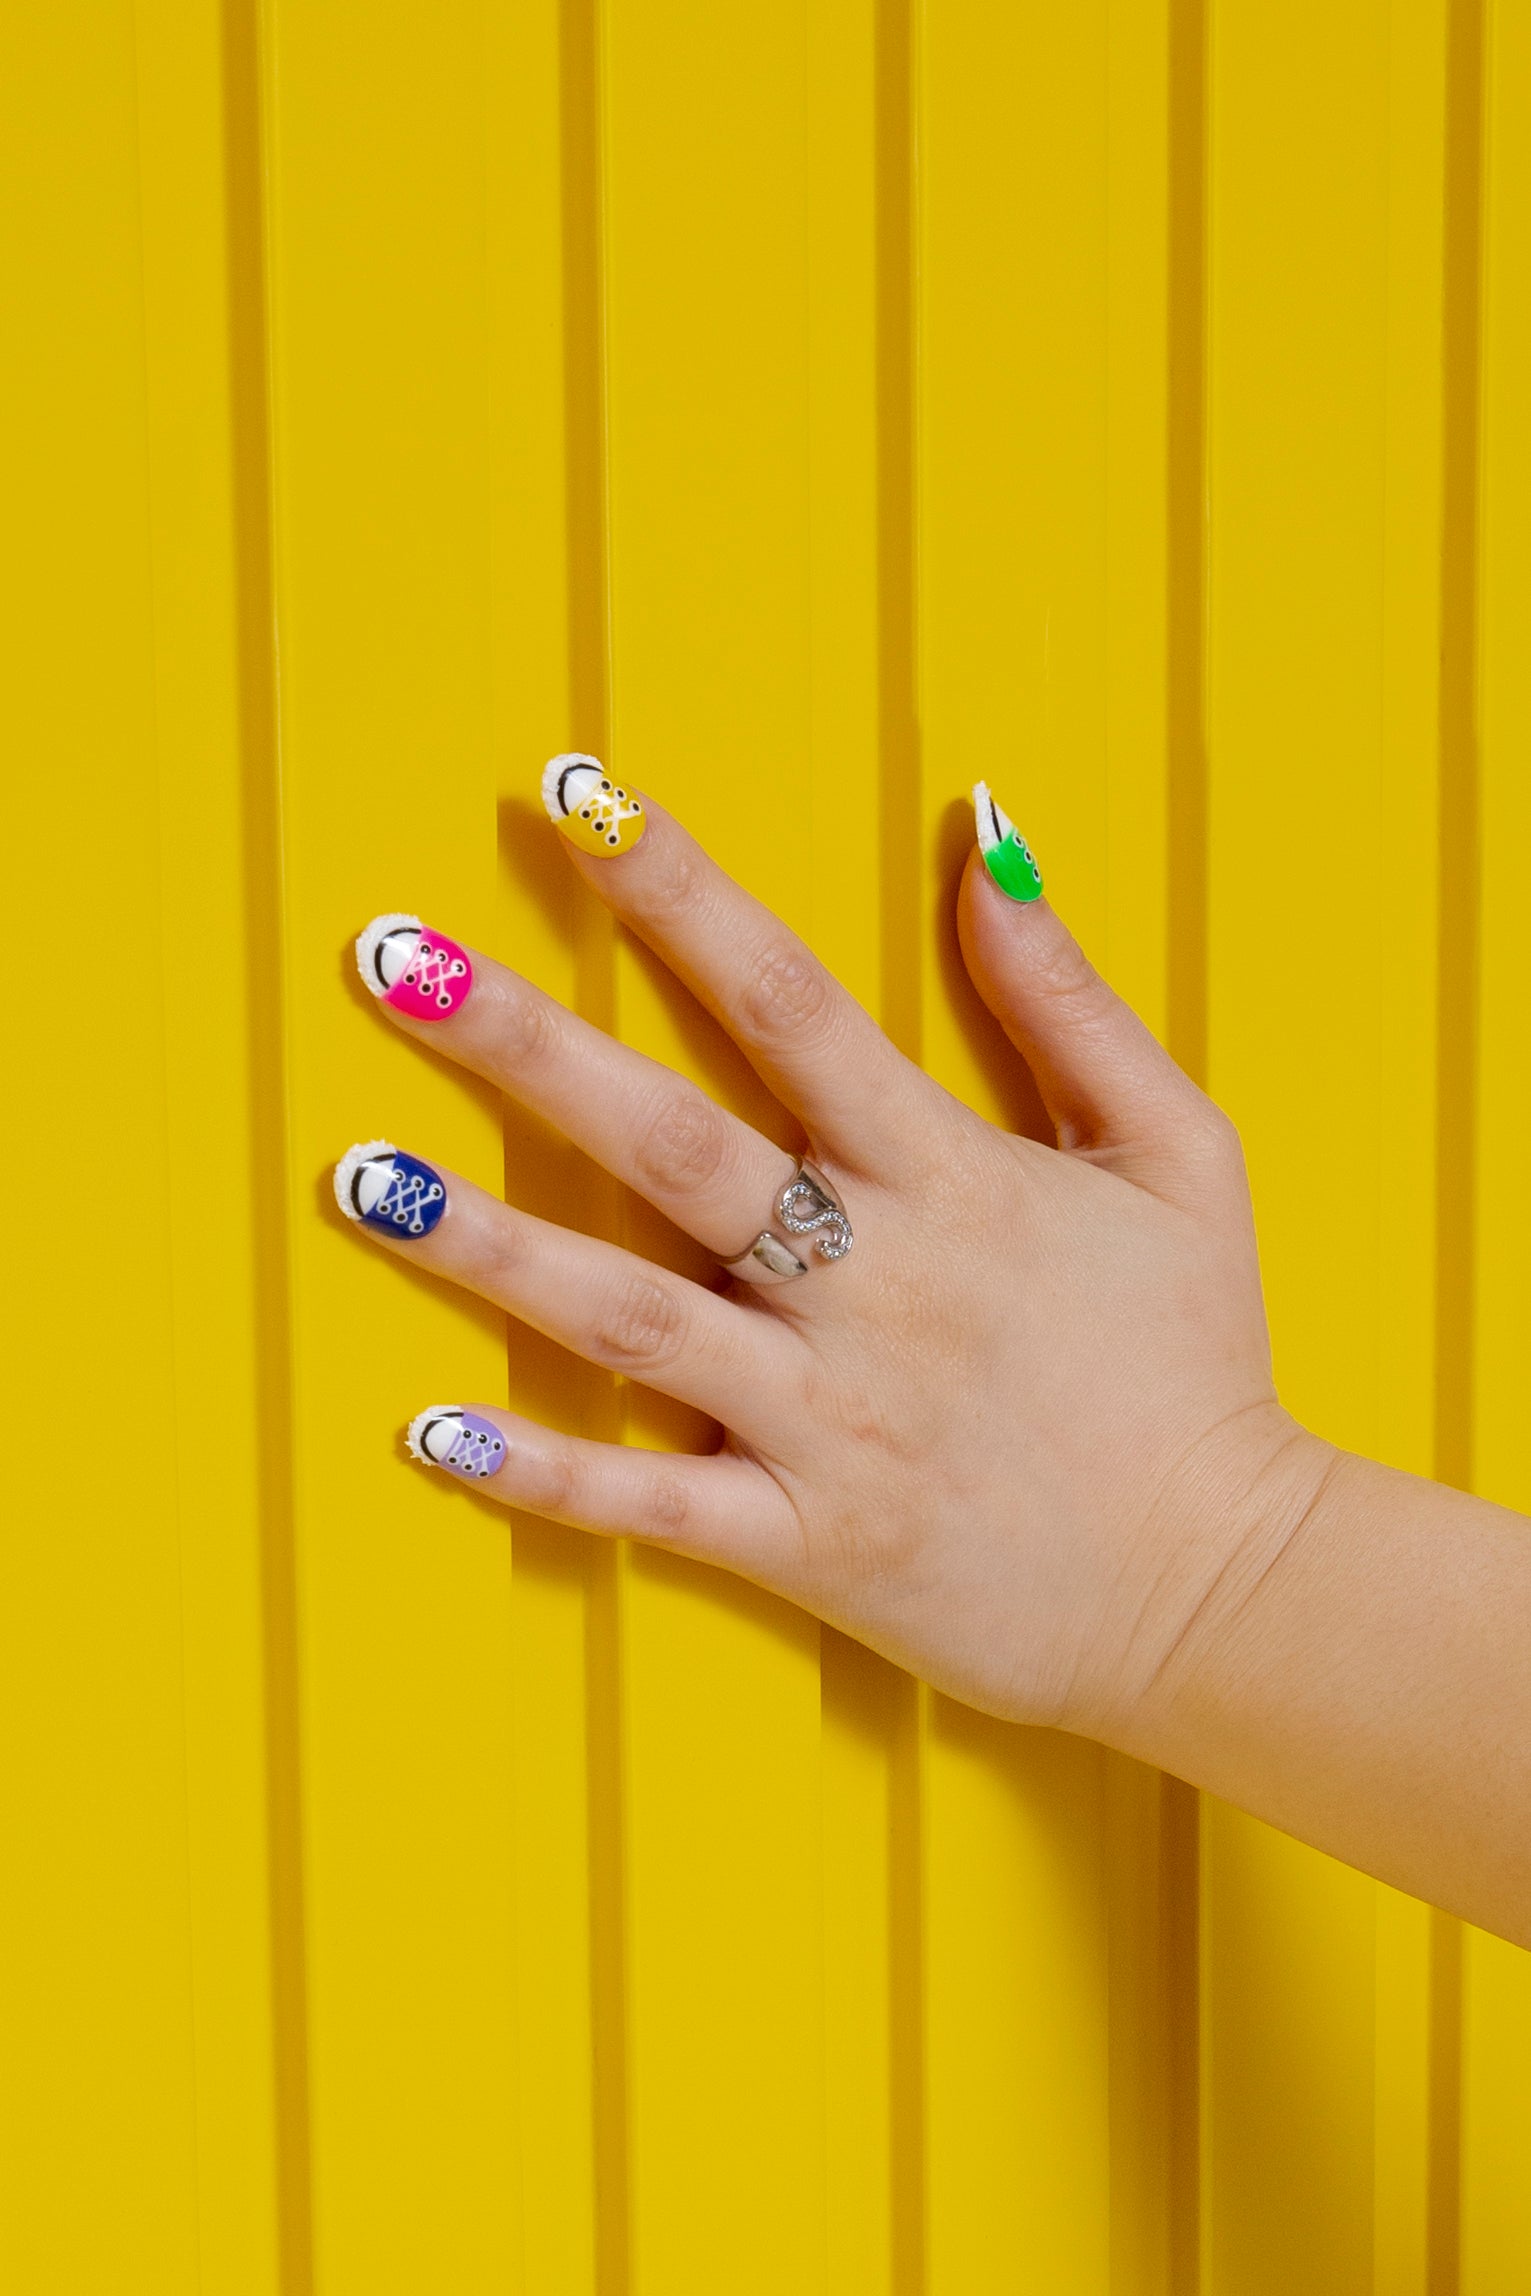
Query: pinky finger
x: 719, y: 1509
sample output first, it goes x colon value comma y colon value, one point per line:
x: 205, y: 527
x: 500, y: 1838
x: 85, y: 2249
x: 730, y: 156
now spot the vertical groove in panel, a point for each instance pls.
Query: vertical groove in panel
x: 1457, y: 986
x: 584, y: 377
x: 260, y: 765
x: 1443, y: 2218
x: 1459, y: 802
x: 1186, y: 448
x: 871, y: 2058
x: 608, y: 1925
x: 589, y: 645
x: 898, y: 701
x: 589, y: 581
x: 1187, y: 985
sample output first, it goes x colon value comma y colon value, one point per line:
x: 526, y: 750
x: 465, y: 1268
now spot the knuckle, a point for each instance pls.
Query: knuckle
x: 1210, y: 1147
x: 668, y: 890
x: 1217, y: 1132
x: 666, y: 1507
x: 552, y: 1488
x: 641, y: 1329
x: 788, y: 993
x: 684, y: 1144
x: 529, y: 1028
x: 501, y: 1268
x: 1065, y: 975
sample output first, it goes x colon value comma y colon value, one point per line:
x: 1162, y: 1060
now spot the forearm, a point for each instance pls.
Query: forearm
x: 1360, y: 1676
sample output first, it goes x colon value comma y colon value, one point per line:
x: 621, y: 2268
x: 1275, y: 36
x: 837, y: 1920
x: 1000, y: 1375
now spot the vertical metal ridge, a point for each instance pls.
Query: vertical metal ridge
x: 1186, y: 988
x: 906, y: 1985
x: 902, y: 812
x: 1180, y: 1931
x: 582, y: 215
x: 901, y: 958
x: 586, y: 514
x: 1443, y: 2207
x: 245, y: 34
x: 1457, y: 987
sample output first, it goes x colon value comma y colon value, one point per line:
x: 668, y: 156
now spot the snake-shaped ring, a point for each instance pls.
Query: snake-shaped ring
x: 806, y: 1206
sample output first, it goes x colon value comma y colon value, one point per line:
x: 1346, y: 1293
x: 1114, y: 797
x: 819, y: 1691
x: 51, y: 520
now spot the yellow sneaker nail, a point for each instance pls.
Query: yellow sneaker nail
x: 586, y: 806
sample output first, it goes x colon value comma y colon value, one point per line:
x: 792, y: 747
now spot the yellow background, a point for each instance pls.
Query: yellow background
x: 810, y: 407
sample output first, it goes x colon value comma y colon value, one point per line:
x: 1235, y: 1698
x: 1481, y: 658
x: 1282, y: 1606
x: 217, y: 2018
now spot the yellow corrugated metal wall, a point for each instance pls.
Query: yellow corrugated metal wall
x: 809, y: 407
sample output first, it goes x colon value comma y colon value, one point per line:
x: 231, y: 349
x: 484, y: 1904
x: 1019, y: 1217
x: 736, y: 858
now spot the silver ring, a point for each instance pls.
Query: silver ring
x: 806, y: 1206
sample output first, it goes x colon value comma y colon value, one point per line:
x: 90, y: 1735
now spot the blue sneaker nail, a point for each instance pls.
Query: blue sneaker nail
x: 381, y: 1187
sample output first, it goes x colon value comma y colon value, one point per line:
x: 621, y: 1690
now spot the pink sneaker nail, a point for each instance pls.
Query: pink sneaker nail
x: 412, y: 968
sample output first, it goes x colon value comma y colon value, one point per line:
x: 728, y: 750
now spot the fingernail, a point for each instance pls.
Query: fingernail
x: 1006, y: 854
x: 586, y: 805
x: 413, y: 968
x: 447, y: 1436
x: 381, y: 1187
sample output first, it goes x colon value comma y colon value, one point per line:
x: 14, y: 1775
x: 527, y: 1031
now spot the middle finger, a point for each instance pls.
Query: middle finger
x: 711, y: 1173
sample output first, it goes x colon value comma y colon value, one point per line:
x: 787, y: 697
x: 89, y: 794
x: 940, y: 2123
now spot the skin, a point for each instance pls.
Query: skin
x: 1023, y: 1440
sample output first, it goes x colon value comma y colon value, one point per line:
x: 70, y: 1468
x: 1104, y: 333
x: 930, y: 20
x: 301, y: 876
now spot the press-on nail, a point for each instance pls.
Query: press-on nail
x: 381, y: 1187
x: 588, y: 807
x: 413, y: 968
x: 1006, y: 854
x: 462, y: 1442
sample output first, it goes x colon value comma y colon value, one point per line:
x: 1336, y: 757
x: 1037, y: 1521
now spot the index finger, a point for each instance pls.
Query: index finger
x: 820, y: 1052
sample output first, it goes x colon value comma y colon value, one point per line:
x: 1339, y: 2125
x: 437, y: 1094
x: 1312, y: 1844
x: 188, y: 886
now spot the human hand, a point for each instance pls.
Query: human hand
x: 1021, y: 1438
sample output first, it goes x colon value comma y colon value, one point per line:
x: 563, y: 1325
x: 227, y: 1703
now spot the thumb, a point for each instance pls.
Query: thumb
x: 1108, y: 1085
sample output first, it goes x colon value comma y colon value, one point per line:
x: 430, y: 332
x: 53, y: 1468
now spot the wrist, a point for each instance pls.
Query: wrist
x: 1213, y: 1542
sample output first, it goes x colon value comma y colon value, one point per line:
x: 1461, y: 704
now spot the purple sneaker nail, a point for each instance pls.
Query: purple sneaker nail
x: 447, y: 1436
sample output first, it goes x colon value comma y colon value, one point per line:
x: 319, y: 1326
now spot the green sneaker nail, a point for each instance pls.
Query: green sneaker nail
x: 1006, y: 854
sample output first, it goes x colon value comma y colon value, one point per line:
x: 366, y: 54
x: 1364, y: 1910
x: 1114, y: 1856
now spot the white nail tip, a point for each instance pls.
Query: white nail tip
x: 430, y: 1436
x: 350, y: 1166
x: 993, y: 823
x: 566, y: 778
x: 383, y: 949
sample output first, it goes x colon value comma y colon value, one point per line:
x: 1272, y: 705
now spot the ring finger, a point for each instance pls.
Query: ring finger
x: 604, y: 1303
